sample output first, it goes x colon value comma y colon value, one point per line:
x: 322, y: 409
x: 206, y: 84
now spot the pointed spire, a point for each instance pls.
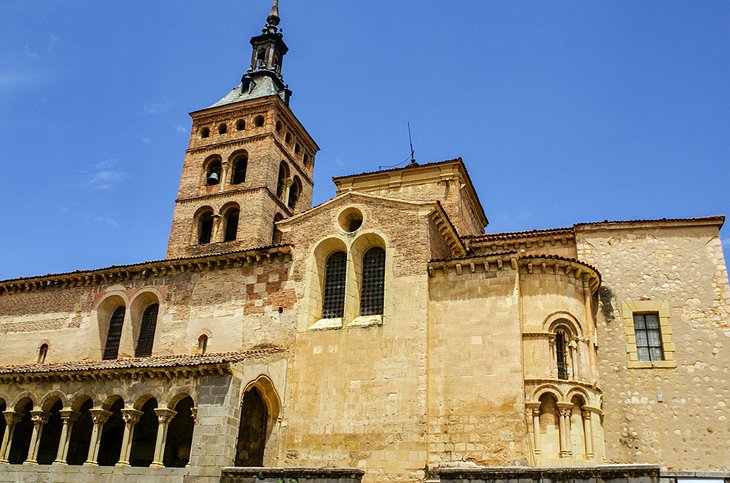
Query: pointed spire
x: 273, y: 19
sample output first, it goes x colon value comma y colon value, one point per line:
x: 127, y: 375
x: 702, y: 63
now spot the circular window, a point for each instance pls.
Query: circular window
x: 350, y: 219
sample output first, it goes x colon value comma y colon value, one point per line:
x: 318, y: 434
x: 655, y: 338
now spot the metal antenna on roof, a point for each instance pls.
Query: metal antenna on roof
x: 410, y: 140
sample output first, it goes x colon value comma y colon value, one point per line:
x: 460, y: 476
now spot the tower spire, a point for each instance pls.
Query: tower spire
x: 273, y: 19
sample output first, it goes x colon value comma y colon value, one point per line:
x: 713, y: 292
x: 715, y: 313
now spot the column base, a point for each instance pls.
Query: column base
x: 589, y: 456
x: 157, y: 464
x: 566, y: 454
x: 537, y: 451
x: 4, y: 462
x: 91, y: 463
x: 122, y: 464
x: 59, y: 463
x: 30, y: 463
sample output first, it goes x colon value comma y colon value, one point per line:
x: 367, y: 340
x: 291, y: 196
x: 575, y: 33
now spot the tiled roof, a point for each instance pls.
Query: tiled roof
x: 718, y: 218
x: 410, y: 166
x: 180, y: 360
x: 519, y: 234
x: 133, y: 266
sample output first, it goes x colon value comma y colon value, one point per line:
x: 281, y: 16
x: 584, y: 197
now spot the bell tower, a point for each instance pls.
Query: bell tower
x: 249, y: 162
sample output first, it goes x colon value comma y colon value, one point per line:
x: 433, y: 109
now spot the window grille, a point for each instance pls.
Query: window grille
x: 231, y: 225
x: 561, y: 355
x: 111, y: 350
x: 147, y: 331
x: 373, y: 282
x: 239, y: 170
x: 648, y: 337
x: 333, y: 305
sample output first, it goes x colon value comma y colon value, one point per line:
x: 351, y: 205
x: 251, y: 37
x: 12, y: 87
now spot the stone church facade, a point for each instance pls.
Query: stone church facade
x: 379, y: 336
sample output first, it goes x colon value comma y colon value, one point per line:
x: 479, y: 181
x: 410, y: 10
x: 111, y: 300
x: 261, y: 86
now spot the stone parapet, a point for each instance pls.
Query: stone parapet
x: 92, y: 474
x: 300, y: 475
x: 522, y: 474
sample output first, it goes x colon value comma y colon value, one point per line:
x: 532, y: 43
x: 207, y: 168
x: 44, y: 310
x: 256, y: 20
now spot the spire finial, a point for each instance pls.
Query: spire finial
x: 273, y: 18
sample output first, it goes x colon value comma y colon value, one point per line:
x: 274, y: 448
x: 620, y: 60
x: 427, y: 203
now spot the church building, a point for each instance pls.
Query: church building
x: 384, y: 335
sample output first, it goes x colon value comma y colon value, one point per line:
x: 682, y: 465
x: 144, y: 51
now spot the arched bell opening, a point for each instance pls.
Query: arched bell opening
x: 180, y: 435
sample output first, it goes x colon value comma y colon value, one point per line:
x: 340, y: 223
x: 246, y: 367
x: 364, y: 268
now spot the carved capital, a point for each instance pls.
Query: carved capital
x: 99, y: 416
x: 586, y: 414
x: 69, y: 415
x: 565, y: 412
x: 131, y: 416
x: 164, y: 415
x: 38, y: 416
x: 11, y: 417
x: 194, y: 414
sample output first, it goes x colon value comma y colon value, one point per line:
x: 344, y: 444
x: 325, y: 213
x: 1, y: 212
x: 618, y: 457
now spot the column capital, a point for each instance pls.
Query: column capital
x: 164, y: 415
x: 69, y: 415
x: 585, y: 413
x: 194, y: 413
x: 38, y: 416
x: 131, y: 416
x: 99, y: 416
x: 12, y: 417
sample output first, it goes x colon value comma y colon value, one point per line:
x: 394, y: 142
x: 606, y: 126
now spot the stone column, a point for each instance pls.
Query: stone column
x: 565, y: 410
x: 574, y: 358
x: 39, y: 418
x: 164, y: 416
x: 194, y: 416
x: 224, y: 175
x: 553, y: 357
x: 69, y: 417
x: 130, y: 417
x: 11, y: 419
x: 535, y: 413
x: 216, y: 228
x: 99, y: 417
x: 587, y: 433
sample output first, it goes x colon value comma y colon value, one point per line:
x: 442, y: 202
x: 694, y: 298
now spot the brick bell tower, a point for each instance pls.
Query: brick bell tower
x: 249, y: 162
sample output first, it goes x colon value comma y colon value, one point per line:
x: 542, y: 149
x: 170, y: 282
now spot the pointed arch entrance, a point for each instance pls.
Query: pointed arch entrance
x: 259, y: 412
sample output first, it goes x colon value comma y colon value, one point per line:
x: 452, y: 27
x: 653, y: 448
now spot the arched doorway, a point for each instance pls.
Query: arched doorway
x: 252, y: 430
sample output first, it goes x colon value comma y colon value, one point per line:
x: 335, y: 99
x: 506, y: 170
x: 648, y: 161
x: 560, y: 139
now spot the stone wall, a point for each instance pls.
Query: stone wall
x: 672, y: 413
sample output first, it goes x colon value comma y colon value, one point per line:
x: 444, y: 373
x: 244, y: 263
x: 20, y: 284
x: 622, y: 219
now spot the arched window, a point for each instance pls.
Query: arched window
x: 276, y: 235
x: 213, y: 173
x: 205, y: 227
x: 333, y: 303
x: 258, y: 121
x: 42, y: 353
x: 222, y: 129
x: 205, y: 132
x: 297, y: 148
x: 561, y: 353
x: 279, y: 127
x: 114, y: 335
x: 239, y: 169
x: 147, y: 331
x: 260, y: 58
x: 288, y: 138
x: 306, y: 160
x: 203, y: 344
x: 294, y: 191
x: 231, y: 221
x: 240, y: 125
x: 373, y: 282
x: 281, y: 182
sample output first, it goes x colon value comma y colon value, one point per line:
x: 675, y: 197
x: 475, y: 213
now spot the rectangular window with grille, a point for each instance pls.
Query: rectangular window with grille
x: 648, y: 337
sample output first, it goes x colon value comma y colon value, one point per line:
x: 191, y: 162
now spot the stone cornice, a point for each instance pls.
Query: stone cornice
x: 442, y: 222
x: 228, y: 193
x: 518, y: 241
x: 231, y: 142
x: 717, y: 221
x: 145, y: 270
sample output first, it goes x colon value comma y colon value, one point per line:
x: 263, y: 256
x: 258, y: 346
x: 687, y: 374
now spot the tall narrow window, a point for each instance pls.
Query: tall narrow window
x: 147, y: 331
x: 205, y: 228
x: 114, y: 335
x: 281, y: 182
x: 296, y: 188
x: 203, y: 344
x: 561, y: 354
x: 239, y: 170
x: 333, y: 304
x: 231, y: 220
x: 42, y: 353
x: 373, y: 282
x: 276, y: 235
x: 648, y: 337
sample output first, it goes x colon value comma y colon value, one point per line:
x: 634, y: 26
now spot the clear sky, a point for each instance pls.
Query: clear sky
x: 564, y: 111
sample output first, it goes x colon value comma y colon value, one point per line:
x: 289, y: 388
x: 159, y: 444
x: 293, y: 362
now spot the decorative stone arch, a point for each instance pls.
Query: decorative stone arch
x: 143, y: 444
x: 271, y: 398
x: 141, y: 399
x: 143, y: 300
x: 109, y: 401
x: 543, y: 389
x: 103, y: 312
x: 77, y: 399
x: 51, y: 398
x: 579, y: 393
x: 19, y: 401
x: 210, y: 166
x: 238, y: 162
x: 563, y: 319
x: 179, y: 395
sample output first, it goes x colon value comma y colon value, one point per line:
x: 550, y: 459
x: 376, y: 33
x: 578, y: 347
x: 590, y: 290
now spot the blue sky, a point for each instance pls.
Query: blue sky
x: 564, y: 112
